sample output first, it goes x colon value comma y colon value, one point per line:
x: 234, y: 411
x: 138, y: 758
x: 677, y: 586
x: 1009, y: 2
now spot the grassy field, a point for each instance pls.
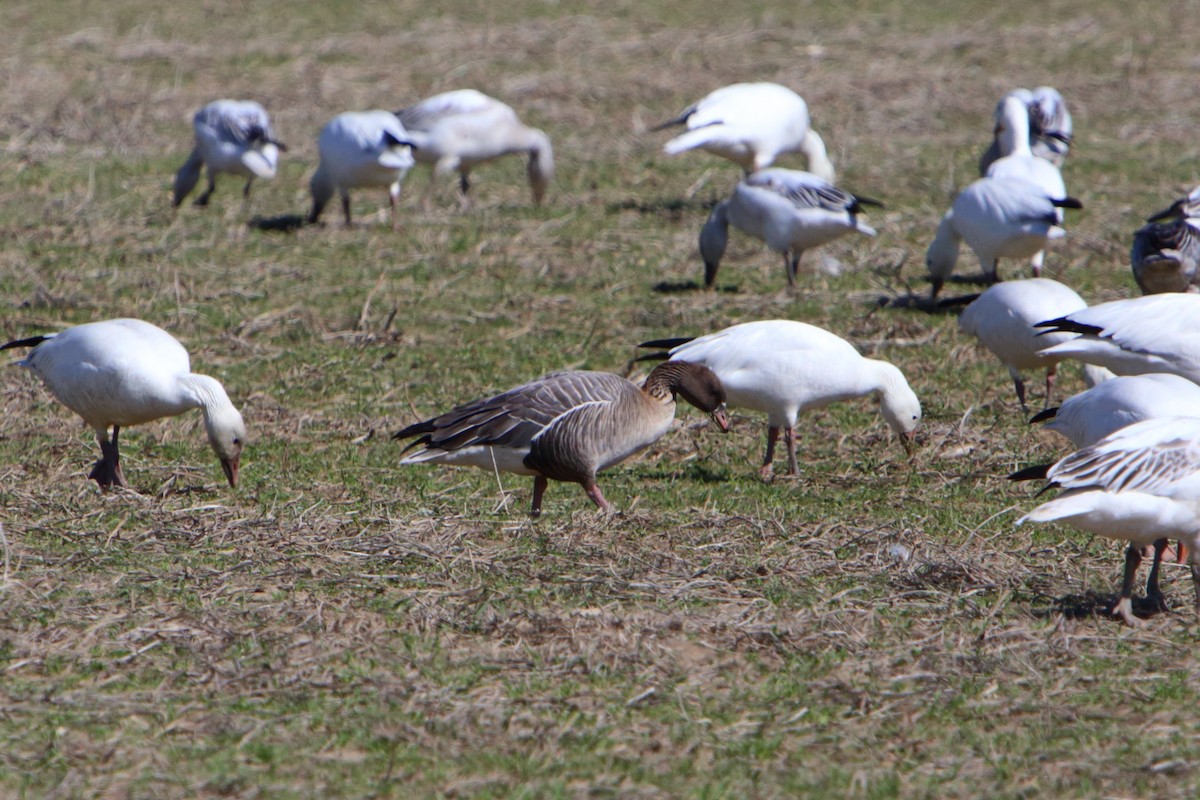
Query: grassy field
x: 341, y: 626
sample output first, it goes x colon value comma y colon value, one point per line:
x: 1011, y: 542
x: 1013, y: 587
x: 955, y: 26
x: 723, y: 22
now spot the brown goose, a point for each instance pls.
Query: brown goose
x: 567, y: 425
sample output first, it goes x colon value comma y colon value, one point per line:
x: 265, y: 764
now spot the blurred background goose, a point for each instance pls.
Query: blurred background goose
x: 360, y: 148
x: 790, y: 210
x: 234, y: 137
x: 1165, y: 256
x: 751, y: 124
x: 1049, y: 129
x: 1155, y: 333
x: 999, y: 217
x: 1139, y: 484
x: 125, y: 372
x: 457, y: 131
x: 1003, y: 319
x: 566, y: 426
x: 781, y: 368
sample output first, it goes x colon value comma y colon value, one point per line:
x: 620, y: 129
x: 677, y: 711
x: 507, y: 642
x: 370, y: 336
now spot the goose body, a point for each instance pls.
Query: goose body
x: 233, y: 137
x: 1089, y: 416
x: 125, y: 372
x: 457, y: 131
x: 1139, y: 484
x: 566, y: 426
x: 751, y: 124
x: 790, y: 210
x: 998, y: 217
x: 1049, y: 128
x: 1154, y: 333
x: 782, y: 367
x: 1003, y: 319
x: 1165, y: 256
x: 360, y: 149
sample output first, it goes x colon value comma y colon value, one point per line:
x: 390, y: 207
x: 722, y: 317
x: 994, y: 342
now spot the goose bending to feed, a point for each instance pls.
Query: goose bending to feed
x: 360, y: 148
x: 1139, y: 484
x: 125, y: 372
x: 790, y: 210
x: 751, y: 124
x: 1154, y: 333
x: 457, y: 131
x: 1166, y: 251
x: 1049, y: 127
x: 999, y: 217
x: 1004, y: 317
x: 234, y: 137
x: 566, y: 426
x: 781, y: 368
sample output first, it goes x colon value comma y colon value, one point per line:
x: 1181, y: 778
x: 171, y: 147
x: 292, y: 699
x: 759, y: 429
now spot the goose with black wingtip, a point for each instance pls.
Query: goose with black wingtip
x: 123, y: 372
x: 360, y: 149
x: 233, y: 137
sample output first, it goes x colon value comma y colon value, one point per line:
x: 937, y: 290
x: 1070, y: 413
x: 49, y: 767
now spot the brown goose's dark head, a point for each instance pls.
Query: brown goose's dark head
x: 695, y: 383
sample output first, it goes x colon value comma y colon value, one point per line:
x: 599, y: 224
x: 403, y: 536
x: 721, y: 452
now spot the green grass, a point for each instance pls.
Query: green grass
x: 342, y: 626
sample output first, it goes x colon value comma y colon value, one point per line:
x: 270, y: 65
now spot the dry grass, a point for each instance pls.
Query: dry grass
x: 340, y: 626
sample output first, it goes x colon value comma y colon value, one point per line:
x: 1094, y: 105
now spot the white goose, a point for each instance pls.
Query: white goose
x: 1155, y: 333
x: 234, y: 137
x: 1166, y: 251
x: 1089, y: 416
x: 125, y: 372
x: 566, y: 426
x: 790, y: 210
x: 1050, y: 127
x: 1003, y: 320
x: 457, y: 131
x: 751, y: 124
x: 360, y: 148
x: 782, y: 367
x: 999, y: 217
x: 1140, y: 484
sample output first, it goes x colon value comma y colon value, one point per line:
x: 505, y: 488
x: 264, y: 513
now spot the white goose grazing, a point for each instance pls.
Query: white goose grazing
x: 125, y: 372
x: 1003, y: 320
x: 1050, y: 127
x: 457, y: 131
x: 234, y: 137
x: 790, y: 210
x: 782, y: 368
x: 999, y: 217
x: 1166, y: 251
x: 1155, y: 333
x: 360, y: 148
x: 751, y: 124
x: 1140, y: 484
x: 1089, y: 416
x: 566, y: 426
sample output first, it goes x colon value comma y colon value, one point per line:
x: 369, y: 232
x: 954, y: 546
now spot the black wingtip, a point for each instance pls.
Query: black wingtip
x: 661, y: 355
x: 1067, y: 202
x: 1068, y: 325
x: 32, y: 341
x: 667, y: 344
x: 859, y: 200
x: 1044, y: 414
x: 1035, y: 473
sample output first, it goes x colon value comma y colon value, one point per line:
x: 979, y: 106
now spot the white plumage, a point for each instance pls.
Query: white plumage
x: 751, y: 124
x: 1049, y: 128
x: 125, y: 372
x: 1003, y: 320
x: 790, y: 210
x: 999, y: 217
x: 1140, y: 484
x: 1155, y: 333
x: 1089, y: 416
x: 457, y: 131
x: 781, y: 368
x: 233, y: 137
x: 360, y: 148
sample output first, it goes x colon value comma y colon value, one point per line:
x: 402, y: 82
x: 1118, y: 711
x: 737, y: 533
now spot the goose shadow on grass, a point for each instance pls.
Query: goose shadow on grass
x: 287, y: 223
x: 692, y: 472
x: 673, y: 207
x: 1090, y: 605
x: 679, y: 287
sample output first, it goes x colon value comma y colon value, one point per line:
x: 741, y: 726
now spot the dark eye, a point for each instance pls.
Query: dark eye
x: 236, y: 440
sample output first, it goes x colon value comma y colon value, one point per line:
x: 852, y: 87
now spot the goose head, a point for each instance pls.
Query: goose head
x: 227, y: 435
x: 942, y: 254
x: 714, y: 237
x: 695, y: 383
x: 899, y: 404
x: 540, y: 169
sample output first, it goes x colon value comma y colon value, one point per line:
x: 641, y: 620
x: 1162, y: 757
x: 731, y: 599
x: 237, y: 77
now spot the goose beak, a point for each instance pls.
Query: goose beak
x: 1181, y: 553
x: 908, y: 441
x: 721, y: 418
x: 230, y: 466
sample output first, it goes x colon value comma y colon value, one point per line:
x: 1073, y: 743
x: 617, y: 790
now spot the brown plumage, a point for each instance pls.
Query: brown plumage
x: 566, y: 426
